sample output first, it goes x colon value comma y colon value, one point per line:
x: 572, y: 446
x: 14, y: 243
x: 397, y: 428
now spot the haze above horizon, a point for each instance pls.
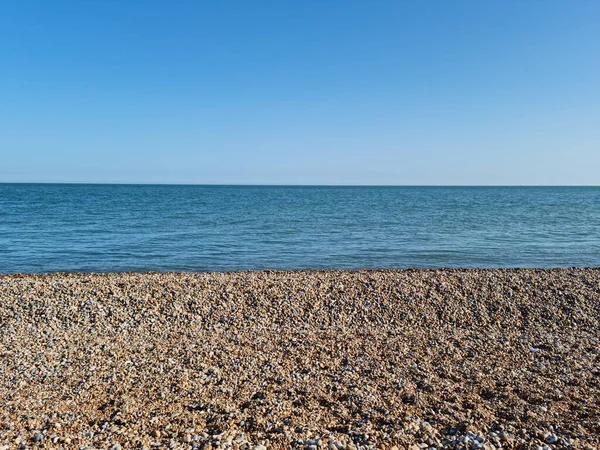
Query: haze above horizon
x: 327, y: 93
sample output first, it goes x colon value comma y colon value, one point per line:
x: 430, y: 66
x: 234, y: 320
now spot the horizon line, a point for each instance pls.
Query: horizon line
x: 100, y: 183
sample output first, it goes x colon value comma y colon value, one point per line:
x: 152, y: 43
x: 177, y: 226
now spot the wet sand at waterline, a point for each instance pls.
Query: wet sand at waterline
x: 301, y: 359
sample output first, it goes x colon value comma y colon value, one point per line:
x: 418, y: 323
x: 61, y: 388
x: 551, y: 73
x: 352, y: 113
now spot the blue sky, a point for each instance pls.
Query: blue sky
x: 300, y: 92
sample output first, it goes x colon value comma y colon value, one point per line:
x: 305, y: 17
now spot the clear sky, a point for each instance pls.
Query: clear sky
x: 300, y: 92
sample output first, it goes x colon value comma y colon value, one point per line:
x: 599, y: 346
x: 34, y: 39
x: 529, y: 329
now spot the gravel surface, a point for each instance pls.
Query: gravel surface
x: 415, y: 359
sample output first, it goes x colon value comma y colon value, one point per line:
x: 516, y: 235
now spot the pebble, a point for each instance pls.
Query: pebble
x: 369, y: 358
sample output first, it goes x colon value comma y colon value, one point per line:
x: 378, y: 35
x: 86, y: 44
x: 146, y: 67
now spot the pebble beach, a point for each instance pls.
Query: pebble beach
x: 392, y: 359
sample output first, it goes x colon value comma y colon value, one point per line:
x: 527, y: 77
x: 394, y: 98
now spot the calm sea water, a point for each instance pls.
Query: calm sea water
x: 50, y: 227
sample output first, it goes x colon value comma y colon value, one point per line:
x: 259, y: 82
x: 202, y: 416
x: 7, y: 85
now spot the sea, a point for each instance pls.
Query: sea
x: 107, y: 228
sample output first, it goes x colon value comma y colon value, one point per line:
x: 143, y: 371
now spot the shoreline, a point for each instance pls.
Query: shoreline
x: 305, y: 270
x: 377, y: 358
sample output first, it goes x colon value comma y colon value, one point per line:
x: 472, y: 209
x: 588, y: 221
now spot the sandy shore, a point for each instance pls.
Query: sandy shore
x: 412, y: 359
